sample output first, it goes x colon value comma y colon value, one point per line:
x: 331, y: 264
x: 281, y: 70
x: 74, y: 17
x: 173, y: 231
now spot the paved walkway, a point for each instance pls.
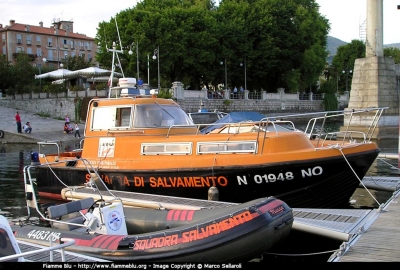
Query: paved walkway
x: 43, y: 128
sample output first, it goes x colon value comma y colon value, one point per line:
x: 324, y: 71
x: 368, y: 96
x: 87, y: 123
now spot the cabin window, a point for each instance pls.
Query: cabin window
x: 160, y: 115
x: 105, y: 118
x: 226, y: 147
x: 166, y: 148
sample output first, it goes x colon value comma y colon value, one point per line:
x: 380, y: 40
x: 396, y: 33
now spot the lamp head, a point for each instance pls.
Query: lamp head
x: 154, y: 57
x: 130, y: 52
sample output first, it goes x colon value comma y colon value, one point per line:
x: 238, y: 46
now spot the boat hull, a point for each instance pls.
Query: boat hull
x: 312, y: 183
x: 232, y: 234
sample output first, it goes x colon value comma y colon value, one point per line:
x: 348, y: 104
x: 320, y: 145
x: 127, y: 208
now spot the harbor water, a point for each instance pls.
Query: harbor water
x: 13, y: 158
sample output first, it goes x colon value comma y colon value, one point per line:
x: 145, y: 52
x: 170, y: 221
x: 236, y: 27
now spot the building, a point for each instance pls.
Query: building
x: 47, y: 46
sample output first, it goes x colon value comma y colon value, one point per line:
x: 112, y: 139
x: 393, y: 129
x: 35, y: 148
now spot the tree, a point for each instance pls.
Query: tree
x: 392, y: 52
x: 283, y: 42
x: 23, y: 72
x: 6, y: 78
x: 343, y: 62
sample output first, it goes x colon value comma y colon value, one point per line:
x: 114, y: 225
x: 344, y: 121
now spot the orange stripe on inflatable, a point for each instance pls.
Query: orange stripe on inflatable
x: 183, y: 215
x: 170, y: 214
x: 190, y: 215
x: 177, y: 214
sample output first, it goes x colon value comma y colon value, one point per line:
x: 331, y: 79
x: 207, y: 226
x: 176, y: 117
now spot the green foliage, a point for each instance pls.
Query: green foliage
x: 164, y: 94
x: 392, y: 52
x: 6, y: 78
x: 23, y: 72
x: 343, y: 62
x: 330, y: 101
x: 227, y: 102
x: 77, y: 88
x: 101, y: 86
x: 76, y: 62
x: 273, y: 38
x: 54, y: 88
x: 78, y: 109
x: 43, y: 114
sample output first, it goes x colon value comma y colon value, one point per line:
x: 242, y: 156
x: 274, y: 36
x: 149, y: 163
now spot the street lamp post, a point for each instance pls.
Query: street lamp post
x: 137, y: 58
x: 226, y: 75
x: 347, y: 71
x: 62, y: 80
x: 40, y: 68
x: 157, y: 52
x: 245, y: 76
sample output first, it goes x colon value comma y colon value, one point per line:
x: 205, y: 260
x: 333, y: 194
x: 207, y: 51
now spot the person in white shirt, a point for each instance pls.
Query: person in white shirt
x: 27, y: 127
x: 77, y: 130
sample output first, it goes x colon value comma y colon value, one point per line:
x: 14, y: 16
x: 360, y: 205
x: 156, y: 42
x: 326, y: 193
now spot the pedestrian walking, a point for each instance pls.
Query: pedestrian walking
x: 67, y: 118
x: 77, y: 130
x: 18, y: 120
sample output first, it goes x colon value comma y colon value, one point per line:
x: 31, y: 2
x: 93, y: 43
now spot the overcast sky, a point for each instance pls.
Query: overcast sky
x: 345, y: 16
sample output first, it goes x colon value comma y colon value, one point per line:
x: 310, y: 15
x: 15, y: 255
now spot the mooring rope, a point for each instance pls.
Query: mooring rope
x: 348, y: 163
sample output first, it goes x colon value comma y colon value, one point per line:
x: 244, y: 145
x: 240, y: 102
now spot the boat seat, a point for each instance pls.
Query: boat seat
x: 72, y: 211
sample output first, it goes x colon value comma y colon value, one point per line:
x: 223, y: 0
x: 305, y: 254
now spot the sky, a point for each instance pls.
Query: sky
x: 345, y: 16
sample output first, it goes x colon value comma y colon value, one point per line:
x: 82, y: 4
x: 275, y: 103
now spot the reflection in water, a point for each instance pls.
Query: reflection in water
x: 13, y: 159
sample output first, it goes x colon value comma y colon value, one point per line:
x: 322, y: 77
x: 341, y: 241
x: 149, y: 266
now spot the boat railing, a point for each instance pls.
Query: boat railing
x: 57, y: 144
x: 94, y: 183
x: 316, y: 126
x: 63, y: 243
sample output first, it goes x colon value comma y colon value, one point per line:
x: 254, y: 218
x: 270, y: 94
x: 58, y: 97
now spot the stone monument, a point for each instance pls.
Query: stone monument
x: 374, y: 80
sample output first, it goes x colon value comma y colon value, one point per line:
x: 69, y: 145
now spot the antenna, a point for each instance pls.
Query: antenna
x: 114, y: 51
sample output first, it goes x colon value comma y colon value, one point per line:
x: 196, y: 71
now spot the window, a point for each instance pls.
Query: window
x: 49, y: 41
x: 156, y: 115
x: 19, y: 39
x: 111, y: 118
x: 19, y: 49
x: 50, y: 55
x: 38, y: 40
x: 29, y: 39
x: 39, y: 52
x: 29, y: 50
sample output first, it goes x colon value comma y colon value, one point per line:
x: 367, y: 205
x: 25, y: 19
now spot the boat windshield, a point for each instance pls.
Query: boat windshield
x: 160, y: 115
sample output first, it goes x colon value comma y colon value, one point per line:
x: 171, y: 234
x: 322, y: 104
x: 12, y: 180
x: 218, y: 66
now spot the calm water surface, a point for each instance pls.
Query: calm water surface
x: 13, y: 158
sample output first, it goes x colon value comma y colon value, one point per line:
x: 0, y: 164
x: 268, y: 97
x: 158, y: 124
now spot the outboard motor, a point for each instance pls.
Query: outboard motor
x: 35, y: 158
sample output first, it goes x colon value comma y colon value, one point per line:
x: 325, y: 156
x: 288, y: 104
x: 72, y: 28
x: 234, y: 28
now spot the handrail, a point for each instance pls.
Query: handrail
x: 67, y: 242
x: 33, y: 201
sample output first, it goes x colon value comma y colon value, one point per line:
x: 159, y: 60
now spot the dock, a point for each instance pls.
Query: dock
x: 378, y: 240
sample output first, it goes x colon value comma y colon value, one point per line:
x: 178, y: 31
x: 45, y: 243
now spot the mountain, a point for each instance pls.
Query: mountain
x: 334, y: 43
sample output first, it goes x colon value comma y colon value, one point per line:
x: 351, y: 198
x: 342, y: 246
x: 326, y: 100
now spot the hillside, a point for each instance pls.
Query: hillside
x: 334, y: 43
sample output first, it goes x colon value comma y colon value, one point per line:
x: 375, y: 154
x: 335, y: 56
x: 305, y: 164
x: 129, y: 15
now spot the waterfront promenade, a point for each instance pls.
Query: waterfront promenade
x: 43, y: 128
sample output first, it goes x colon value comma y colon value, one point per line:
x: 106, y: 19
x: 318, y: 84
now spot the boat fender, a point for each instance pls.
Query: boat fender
x: 213, y: 194
x: 35, y: 158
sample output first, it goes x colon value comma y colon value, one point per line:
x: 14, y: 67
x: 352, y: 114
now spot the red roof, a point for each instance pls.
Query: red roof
x: 43, y: 30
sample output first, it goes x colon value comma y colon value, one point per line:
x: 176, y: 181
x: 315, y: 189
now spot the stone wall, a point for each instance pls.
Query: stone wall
x: 59, y: 107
